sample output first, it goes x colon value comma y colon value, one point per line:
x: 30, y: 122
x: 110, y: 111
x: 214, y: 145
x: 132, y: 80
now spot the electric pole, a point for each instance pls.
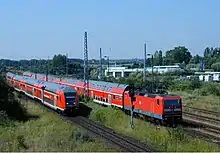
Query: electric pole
x: 66, y: 65
x: 152, y: 58
x: 47, y: 69
x: 86, y: 79
x: 145, y: 52
x: 100, y: 69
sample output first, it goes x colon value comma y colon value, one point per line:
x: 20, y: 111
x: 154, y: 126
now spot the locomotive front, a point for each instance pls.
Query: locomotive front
x: 172, y: 108
x: 71, y: 101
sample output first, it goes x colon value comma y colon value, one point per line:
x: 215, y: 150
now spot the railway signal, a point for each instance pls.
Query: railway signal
x: 132, y: 95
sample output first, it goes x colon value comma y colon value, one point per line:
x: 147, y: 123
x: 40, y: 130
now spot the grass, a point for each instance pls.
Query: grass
x: 194, y: 99
x: 162, y: 138
x: 47, y: 132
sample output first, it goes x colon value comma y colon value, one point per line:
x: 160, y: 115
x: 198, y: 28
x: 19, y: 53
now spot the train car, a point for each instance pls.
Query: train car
x: 160, y: 107
x: 61, y: 98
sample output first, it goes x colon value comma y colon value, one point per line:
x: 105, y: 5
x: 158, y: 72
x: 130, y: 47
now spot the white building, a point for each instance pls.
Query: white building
x: 125, y: 72
x: 208, y: 76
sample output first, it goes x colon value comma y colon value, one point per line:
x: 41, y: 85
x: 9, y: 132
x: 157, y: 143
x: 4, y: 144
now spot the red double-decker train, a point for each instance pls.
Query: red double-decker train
x: 160, y: 107
x: 61, y: 98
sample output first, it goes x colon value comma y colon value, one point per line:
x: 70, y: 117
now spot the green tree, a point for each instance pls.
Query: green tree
x: 59, y: 64
x: 160, y: 56
x: 178, y: 55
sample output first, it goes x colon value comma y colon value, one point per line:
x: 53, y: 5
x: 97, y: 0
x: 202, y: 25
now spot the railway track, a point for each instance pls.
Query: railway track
x: 123, y: 142
x: 202, y: 110
x: 207, y: 121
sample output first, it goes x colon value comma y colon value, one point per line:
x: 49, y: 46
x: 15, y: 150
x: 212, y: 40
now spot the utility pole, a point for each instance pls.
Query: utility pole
x: 86, y: 79
x: 47, y: 69
x: 35, y: 70
x: 100, y: 69
x: 152, y: 72
x: 66, y: 65
x: 145, y: 52
x: 108, y: 65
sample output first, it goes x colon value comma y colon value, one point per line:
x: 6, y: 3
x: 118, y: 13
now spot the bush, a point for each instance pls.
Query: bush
x: 210, y: 88
x: 9, y: 104
x: 100, y: 116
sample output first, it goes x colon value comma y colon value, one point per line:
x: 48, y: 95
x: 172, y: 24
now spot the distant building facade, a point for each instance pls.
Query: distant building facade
x: 125, y: 72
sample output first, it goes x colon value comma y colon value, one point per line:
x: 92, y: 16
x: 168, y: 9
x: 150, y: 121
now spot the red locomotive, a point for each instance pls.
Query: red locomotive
x: 61, y: 98
x: 160, y: 107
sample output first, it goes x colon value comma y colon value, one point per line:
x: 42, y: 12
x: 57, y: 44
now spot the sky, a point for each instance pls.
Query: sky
x: 42, y: 28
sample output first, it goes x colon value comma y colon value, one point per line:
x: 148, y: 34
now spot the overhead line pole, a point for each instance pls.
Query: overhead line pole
x: 86, y: 79
x: 100, y: 69
x: 145, y: 53
x: 66, y: 64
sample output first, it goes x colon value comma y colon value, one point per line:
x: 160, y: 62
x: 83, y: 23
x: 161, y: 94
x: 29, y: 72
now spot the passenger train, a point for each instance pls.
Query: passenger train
x: 61, y: 98
x: 159, y: 107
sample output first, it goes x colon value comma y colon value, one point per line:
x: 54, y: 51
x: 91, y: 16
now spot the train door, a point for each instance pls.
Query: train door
x: 55, y: 101
x: 92, y: 94
x: 109, y: 99
x: 152, y: 107
x: 42, y: 96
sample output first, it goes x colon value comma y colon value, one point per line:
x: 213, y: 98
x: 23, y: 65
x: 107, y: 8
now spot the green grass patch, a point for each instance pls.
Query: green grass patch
x: 195, y: 99
x: 162, y: 138
x: 46, y: 132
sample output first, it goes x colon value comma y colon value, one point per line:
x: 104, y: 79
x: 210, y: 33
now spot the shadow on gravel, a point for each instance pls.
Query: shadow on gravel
x: 84, y: 110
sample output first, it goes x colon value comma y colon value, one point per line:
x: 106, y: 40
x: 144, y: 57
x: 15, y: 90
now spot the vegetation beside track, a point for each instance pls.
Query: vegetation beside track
x: 162, y: 138
x: 193, y: 99
x: 46, y: 132
x: 25, y: 126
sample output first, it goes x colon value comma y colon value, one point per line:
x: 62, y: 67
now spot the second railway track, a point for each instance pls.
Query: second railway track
x: 123, y: 142
x: 208, y: 122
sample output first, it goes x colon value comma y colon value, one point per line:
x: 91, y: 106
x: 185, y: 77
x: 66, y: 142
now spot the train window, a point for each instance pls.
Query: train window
x: 100, y: 98
x: 158, y: 102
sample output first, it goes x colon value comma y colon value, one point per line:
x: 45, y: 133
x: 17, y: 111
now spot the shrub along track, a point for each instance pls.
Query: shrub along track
x: 124, y: 143
x: 208, y: 122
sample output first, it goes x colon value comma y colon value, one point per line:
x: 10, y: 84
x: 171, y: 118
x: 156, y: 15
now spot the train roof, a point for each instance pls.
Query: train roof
x: 108, y: 84
x: 18, y: 77
x: 31, y: 81
x: 10, y: 74
x: 71, y: 81
x: 153, y: 95
x: 99, y: 85
x: 54, y: 87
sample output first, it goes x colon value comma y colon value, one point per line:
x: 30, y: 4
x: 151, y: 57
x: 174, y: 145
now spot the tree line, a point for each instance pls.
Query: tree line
x: 60, y: 65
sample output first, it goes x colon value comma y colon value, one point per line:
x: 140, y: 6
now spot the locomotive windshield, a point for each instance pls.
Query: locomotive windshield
x: 70, y: 98
x: 172, y: 102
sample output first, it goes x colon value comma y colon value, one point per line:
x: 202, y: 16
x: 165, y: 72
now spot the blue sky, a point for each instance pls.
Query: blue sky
x: 42, y: 28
